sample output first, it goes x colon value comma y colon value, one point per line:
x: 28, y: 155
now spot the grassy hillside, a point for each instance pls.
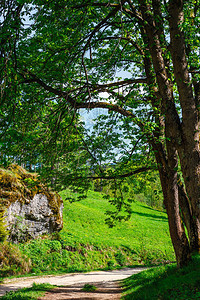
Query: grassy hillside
x: 146, y: 233
x: 86, y: 242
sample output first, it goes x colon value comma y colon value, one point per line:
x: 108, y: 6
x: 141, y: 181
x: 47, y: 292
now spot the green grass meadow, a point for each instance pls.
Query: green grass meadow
x: 146, y: 234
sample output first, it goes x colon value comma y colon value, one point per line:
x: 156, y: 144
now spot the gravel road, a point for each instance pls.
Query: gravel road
x: 98, y: 277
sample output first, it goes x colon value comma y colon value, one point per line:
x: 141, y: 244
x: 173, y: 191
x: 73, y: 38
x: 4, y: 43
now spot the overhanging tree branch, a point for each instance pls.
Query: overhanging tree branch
x: 95, y: 5
x: 78, y: 105
x: 116, y: 84
x: 128, y: 38
x: 119, y: 176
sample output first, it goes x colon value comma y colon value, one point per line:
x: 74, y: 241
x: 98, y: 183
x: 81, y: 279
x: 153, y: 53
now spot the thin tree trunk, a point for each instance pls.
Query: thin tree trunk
x: 177, y: 232
x: 168, y: 178
x: 190, y: 221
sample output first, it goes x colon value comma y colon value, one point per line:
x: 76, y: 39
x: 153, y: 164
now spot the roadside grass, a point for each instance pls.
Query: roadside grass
x: 165, y: 283
x: 89, y: 288
x: 32, y: 293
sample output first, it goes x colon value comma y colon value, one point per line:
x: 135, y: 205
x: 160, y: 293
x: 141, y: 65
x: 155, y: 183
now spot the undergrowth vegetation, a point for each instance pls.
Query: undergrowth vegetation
x: 87, y: 243
x: 13, y: 261
x: 50, y: 256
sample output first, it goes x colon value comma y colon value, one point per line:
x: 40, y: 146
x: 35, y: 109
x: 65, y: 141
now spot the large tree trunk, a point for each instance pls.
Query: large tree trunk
x: 188, y: 147
x: 168, y: 172
x: 181, y: 137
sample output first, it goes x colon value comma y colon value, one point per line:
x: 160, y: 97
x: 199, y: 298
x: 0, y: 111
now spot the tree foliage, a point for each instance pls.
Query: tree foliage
x: 137, y: 60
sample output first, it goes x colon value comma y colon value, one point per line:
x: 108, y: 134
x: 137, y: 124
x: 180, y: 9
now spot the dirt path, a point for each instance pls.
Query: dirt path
x: 105, y: 291
x: 105, y: 281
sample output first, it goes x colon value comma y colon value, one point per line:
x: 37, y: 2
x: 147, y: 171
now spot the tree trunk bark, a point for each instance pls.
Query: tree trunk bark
x: 168, y: 178
x: 167, y: 165
x: 188, y: 148
x: 191, y: 223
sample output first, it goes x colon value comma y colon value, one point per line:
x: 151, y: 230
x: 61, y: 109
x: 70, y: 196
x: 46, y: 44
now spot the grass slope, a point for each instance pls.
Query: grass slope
x: 146, y: 233
x: 165, y: 283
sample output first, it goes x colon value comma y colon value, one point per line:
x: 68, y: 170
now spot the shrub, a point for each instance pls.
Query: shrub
x: 12, y: 261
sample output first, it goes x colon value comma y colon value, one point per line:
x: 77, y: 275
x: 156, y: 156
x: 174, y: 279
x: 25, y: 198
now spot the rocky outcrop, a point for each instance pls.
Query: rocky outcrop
x: 30, y: 208
x: 29, y: 220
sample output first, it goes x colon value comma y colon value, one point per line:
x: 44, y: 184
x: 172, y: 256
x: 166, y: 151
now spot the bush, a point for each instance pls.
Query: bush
x: 12, y: 261
x: 45, y: 255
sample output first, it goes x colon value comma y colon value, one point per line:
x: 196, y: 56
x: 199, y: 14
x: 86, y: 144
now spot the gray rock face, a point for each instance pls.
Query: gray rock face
x: 31, y: 219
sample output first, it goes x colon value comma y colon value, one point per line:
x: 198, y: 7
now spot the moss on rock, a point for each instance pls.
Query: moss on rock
x: 17, y: 184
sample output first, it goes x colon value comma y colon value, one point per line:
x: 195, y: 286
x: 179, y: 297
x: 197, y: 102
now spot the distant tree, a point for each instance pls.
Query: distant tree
x: 72, y: 51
